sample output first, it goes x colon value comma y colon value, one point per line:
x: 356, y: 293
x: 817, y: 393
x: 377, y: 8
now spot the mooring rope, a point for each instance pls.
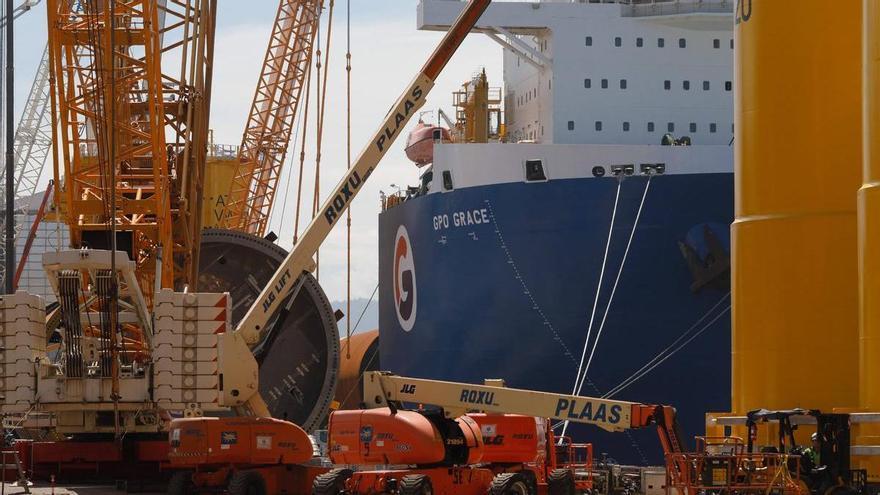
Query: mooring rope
x: 579, y: 380
x: 598, y: 287
x: 672, y: 348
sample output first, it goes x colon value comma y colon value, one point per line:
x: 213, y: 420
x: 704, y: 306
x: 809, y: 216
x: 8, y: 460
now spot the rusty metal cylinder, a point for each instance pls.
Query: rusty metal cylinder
x: 798, y: 161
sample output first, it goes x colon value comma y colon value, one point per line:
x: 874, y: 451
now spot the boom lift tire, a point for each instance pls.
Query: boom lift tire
x: 561, y: 482
x: 510, y: 484
x: 331, y: 483
x: 181, y: 483
x: 247, y: 483
x: 416, y: 484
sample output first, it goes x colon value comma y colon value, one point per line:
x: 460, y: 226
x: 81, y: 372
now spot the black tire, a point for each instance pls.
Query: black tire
x: 561, y: 482
x: 247, y: 483
x: 181, y: 483
x: 510, y: 484
x: 331, y: 483
x: 415, y: 484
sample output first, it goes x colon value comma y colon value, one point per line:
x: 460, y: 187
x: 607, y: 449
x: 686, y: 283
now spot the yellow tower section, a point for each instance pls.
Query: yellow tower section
x: 798, y: 154
x: 869, y: 236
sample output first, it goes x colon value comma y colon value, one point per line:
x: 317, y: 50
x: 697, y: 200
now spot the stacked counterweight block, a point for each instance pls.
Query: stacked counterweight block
x: 22, y: 345
x: 185, y: 349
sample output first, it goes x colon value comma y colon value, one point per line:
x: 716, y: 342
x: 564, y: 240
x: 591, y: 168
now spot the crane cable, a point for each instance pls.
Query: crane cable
x: 348, y: 161
x: 322, y: 102
x: 289, y: 170
x: 632, y: 233
x: 302, y: 154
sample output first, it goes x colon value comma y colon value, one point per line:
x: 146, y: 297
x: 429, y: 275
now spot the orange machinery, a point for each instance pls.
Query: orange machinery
x: 243, y: 454
x: 471, y: 454
x: 508, y: 448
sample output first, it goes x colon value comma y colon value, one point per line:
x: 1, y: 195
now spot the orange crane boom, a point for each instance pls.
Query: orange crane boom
x: 267, y: 134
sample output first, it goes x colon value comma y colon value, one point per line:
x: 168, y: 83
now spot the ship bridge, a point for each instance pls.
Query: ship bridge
x: 609, y: 71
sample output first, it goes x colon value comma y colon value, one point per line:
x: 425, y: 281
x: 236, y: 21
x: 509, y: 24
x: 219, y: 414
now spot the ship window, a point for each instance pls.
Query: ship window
x: 604, y: 83
x: 713, y: 127
x: 650, y: 127
x: 661, y: 42
x: 447, y: 180
x: 728, y: 85
x: 731, y: 43
x: 626, y: 127
x: 682, y: 43
x: 667, y: 85
x: 588, y: 83
x: 598, y: 125
x: 670, y: 127
x: 705, y: 85
x: 535, y: 171
x: 686, y: 85
x: 623, y: 84
x: 570, y: 125
x: 693, y: 127
x: 437, y: 134
x: 640, y: 42
x: 716, y: 43
x: 588, y: 41
x: 618, y: 41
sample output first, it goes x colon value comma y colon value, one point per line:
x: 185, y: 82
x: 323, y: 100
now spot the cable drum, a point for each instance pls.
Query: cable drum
x: 299, y: 357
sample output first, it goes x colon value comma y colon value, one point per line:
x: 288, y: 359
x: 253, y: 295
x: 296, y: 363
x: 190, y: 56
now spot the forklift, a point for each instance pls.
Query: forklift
x: 824, y: 467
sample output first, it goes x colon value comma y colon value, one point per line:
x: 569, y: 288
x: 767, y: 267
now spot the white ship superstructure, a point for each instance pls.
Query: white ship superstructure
x: 613, y: 72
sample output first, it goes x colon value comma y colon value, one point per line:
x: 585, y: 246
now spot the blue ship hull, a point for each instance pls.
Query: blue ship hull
x: 505, y: 278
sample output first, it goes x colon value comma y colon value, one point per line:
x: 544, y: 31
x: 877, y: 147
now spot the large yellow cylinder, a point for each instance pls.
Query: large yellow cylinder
x: 798, y: 155
x: 869, y: 237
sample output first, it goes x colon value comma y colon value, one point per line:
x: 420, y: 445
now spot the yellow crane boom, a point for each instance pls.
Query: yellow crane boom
x: 238, y: 367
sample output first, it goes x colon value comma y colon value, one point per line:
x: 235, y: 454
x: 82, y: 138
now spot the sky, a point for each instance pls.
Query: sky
x: 386, y: 49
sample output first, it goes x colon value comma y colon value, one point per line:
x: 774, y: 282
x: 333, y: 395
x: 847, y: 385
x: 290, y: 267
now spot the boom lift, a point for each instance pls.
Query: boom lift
x: 507, y: 448
x: 261, y: 455
x: 237, y: 366
x: 501, y: 451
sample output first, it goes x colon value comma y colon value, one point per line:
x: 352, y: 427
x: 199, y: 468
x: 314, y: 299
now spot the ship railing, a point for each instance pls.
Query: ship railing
x: 223, y: 151
x: 644, y: 8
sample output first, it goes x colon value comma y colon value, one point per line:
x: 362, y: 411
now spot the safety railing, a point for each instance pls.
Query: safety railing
x: 644, y: 8
x: 742, y: 473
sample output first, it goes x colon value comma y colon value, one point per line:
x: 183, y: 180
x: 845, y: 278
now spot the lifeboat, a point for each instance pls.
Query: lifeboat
x: 420, y: 142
